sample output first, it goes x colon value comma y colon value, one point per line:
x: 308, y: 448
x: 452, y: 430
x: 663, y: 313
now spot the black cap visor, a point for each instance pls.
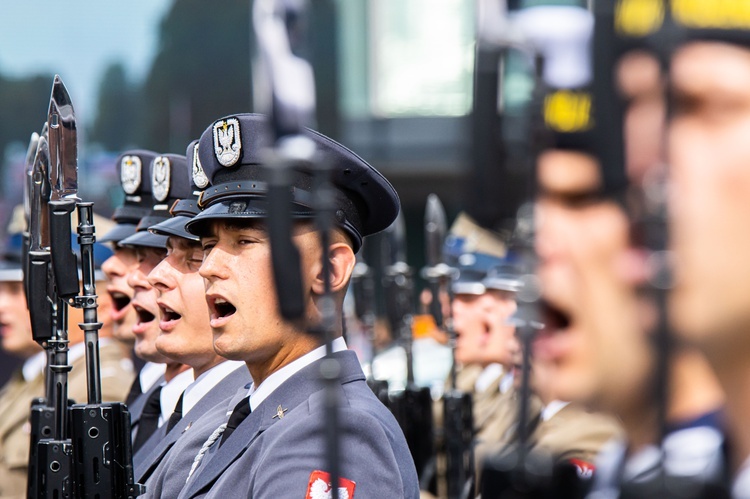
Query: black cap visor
x: 174, y: 226
x: 117, y: 233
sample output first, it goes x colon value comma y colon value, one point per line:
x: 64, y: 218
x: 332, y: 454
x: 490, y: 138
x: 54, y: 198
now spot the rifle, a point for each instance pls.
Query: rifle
x: 411, y: 407
x: 50, y: 450
x: 90, y: 452
x: 279, y: 30
x: 363, y: 290
x: 458, y: 420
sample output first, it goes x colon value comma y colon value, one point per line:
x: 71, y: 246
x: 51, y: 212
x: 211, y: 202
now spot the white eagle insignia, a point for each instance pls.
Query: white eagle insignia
x: 199, y: 176
x: 227, y: 144
x: 130, y: 173
x: 322, y: 490
x: 160, y: 178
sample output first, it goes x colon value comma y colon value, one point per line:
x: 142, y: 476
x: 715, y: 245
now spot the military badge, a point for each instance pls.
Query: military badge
x: 319, y: 486
x: 199, y: 176
x: 130, y: 174
x: 227, y: 143
x: 160, y: 178
x: 279, y: 413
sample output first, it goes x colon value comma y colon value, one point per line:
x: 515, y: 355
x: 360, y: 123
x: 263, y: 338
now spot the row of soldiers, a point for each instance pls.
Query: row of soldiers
x: 643, y: 326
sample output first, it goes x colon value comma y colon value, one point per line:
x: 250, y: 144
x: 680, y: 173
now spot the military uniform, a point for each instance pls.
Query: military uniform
x: 165, y: 470
x: 502, y: 430
x: 15, y: 400
x: 279, y: 449
x: 571, y: 433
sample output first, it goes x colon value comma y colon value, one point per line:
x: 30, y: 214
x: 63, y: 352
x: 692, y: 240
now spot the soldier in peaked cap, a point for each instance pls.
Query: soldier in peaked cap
x: 186, y: 337
x: 133, y: 169
x: 474, y: 251
x: 152, y: 409
x: 273, y: 443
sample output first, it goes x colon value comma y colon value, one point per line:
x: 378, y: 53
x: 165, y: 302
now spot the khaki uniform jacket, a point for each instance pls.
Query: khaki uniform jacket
x: 501, y: 430
x: 574, y: 433
x: 15, y: 404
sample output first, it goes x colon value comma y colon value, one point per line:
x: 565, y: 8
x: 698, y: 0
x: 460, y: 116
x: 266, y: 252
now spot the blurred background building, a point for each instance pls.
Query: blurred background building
x: 394, y: 83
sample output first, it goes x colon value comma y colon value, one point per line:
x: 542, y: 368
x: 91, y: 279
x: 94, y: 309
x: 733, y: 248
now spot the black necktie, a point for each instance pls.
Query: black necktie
x: 240, y: 412
x: 149, y: 419
x: 135, y: 391
x: 176, y: 415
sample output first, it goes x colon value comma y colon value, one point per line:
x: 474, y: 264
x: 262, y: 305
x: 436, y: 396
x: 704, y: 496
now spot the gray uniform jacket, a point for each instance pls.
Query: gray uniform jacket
x: 165, y: 469
x: 275, y: 451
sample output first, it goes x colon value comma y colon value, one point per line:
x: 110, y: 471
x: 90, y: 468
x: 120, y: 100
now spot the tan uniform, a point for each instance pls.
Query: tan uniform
x: 501, y: 430
x: 574, y: 433
x: 15, y: 403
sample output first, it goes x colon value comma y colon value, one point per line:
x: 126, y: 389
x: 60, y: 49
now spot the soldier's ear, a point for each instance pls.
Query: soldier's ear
x: 342, y: 260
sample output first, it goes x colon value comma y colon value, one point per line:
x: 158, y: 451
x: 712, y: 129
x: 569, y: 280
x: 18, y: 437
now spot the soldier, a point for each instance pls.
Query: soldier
x: 708, y: 154
x: 484, y: 301
x: 136, y: 205
x: 153, y: 408
x: 29, y: 382
x: 185, y: 337
x: 596, y: 341
x: 273, y: 444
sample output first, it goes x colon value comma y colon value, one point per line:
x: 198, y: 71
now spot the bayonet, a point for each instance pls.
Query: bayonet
x: 28, y: 170
x: 63, y: 180
x: 63, y: 142
x: 27, y: 188
x: 437, y: 272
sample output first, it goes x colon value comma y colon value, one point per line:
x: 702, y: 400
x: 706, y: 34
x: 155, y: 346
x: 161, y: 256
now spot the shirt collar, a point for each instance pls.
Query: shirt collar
x: 206, y: 382
x: 489, y: 375
x: 171, y: 392
x: 552, y: 408
x: 276, y: 379
x: 150, y: 374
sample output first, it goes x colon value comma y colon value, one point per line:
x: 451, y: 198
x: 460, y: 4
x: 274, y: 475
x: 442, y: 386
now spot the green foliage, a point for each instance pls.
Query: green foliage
x: 114, y: 127
x: 201, y: 72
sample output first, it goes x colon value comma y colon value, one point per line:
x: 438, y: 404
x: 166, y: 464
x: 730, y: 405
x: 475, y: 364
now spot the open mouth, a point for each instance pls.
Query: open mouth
x: 144, y: 316
x: 223, y: 308
x: 555, y: 319
x: 168, y: 314
x: 119, y: 300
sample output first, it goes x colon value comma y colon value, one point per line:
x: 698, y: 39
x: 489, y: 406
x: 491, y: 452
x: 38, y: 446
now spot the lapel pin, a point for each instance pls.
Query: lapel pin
x: 279, y: 413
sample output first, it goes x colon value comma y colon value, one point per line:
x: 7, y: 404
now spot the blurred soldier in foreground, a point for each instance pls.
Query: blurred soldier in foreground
x: 710, y: 203
x: 29, y: 382
x: 599, y: 340
x: 273, y: 443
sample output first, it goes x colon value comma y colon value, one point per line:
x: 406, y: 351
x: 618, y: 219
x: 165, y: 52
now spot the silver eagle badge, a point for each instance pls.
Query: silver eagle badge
x: 227, y: 145
x: 130, y: 174
x: 199, y: 176
x: 160, y: 178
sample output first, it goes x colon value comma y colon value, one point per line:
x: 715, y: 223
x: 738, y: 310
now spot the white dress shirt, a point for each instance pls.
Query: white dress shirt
x: 206, y: 382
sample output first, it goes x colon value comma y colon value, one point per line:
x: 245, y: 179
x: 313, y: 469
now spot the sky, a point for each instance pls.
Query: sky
x: 78, y: 39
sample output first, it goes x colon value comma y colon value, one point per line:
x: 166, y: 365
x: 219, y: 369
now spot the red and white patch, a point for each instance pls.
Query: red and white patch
x: 585, y: 470
x: 319, y: 486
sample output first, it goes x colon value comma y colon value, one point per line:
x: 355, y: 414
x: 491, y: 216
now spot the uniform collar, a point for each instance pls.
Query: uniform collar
x: 276, y: 379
